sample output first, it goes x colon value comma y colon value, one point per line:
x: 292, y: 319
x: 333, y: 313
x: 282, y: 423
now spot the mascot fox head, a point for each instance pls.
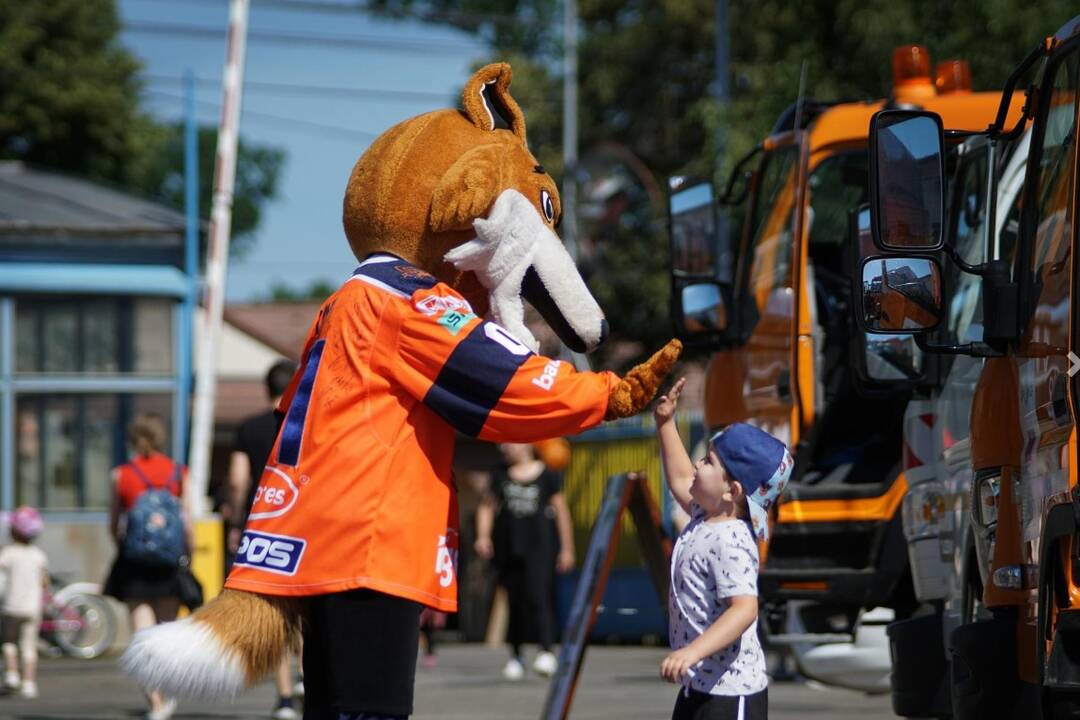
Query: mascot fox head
x: 459, y: 194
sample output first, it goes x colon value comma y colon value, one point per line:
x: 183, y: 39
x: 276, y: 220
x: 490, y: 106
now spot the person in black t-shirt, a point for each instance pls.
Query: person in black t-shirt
x: 254, y: 440
x: 514, y: 526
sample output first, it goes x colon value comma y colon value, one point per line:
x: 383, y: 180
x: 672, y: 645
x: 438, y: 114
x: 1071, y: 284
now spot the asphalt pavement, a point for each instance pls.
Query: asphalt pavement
x: 616, y: 682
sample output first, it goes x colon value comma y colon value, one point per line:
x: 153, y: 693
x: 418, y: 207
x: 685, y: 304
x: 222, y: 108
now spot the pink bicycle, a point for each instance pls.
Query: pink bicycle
x: 77, y: 620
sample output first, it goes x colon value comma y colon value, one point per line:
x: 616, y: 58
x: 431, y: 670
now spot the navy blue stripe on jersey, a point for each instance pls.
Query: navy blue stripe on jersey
x: 399, y: 275
x: 292, y: 432
x: 474, y: 377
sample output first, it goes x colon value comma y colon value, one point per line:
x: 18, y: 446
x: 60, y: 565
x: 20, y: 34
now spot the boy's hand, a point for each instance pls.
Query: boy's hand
x: 677, y: 664
x: 564, y: 563
x: 665, y: 406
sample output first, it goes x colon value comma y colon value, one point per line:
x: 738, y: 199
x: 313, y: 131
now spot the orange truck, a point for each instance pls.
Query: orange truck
x: 773, y: 306
x: 1017, y: 652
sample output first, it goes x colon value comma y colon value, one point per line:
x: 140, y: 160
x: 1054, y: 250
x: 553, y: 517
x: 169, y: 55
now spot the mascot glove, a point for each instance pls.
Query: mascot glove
x: 638, y: 387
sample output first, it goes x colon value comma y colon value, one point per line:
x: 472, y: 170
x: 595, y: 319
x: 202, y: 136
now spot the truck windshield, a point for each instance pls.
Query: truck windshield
x: 838, y: 184
x: 771, y: 221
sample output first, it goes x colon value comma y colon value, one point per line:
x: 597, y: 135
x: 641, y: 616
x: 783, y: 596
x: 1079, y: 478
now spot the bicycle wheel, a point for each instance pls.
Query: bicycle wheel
x: 84, y: 626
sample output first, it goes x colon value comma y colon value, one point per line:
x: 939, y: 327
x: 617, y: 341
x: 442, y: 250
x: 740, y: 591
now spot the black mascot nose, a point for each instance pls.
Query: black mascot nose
x: 604, y: 329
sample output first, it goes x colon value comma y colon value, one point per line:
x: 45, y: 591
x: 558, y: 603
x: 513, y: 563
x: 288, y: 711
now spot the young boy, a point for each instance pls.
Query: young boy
x: 712, y: 606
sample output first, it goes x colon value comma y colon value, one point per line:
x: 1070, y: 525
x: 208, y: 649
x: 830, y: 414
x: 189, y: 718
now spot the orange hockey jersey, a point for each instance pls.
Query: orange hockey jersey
x: 357, y: 492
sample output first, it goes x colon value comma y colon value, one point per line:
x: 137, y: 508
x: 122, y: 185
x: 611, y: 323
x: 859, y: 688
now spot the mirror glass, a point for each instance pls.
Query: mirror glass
x: 909, y: 181
x: 891, y: 357
x: 703, y: 308
x: 901, y: 294
x: 694, y: 236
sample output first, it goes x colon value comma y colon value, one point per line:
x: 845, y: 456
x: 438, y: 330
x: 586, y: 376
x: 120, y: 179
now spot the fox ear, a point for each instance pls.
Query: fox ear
x: 467, y: 190
x: 488, y: 103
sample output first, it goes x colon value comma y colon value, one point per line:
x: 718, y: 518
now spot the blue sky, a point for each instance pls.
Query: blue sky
x: 300, y: 238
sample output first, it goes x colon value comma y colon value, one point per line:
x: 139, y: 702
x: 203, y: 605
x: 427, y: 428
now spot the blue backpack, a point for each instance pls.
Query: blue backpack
x: 155, y: 528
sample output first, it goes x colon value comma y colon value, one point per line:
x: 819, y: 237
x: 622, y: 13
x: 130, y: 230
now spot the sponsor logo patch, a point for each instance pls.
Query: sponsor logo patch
x: 275, y: 496
x: 273, y: 553
x: 453, y: 321
x: 413, y: 273
x: 446, y: 558
x: 434, y: 304
x: 546, y: 380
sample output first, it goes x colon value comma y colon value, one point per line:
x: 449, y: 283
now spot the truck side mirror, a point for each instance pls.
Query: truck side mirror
x: 907, y: 180
x: 882, y: 362
x: 700, y: 298
x: 900, y: 295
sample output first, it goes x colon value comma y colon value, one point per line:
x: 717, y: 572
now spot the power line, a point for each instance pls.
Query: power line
x: 353, y: 42
x: 317, y: 90
x: 332, y: 91
x: 321, y: 128
x: 355, y: 8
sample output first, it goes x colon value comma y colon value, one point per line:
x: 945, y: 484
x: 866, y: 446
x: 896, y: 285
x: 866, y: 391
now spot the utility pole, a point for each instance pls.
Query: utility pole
x: 568, y: 229
x: 217, y: 257
x: 721, y: 92
x: 191, y: 267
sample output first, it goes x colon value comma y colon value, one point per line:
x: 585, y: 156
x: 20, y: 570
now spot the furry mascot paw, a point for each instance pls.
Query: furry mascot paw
x: 453, y: 222
x: 638, y: 388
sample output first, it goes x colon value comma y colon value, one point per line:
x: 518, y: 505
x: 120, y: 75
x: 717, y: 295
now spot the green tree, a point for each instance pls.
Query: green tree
x: 69, y: 100
x: 160, y: 174
x: 68, y: 91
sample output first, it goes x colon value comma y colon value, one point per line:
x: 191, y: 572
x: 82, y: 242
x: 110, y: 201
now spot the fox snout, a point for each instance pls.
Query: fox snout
x: 516, y: 254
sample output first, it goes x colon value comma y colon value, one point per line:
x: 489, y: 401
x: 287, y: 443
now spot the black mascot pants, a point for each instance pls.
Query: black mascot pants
x: 359, y: 656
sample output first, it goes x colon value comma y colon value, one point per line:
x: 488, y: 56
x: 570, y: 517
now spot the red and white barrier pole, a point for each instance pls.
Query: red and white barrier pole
x: 217, y: 258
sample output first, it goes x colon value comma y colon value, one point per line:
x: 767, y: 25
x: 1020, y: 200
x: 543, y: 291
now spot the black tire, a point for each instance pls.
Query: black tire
x: 87, y: 626
x: 1057, y: 704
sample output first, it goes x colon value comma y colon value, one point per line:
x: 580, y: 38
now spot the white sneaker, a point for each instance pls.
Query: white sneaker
x: 285, y: 712
x: 545, y: 664
x: 167, y: 709
x: 513, y: 670
x: 28, y: 690
x: 12, y: 681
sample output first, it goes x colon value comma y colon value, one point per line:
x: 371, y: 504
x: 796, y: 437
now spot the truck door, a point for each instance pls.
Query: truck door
x: 1045, y: 414
x: 756, y: 382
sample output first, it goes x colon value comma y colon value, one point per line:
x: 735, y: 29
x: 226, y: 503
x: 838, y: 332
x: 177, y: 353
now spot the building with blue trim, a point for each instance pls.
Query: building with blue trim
x: 94, y: 330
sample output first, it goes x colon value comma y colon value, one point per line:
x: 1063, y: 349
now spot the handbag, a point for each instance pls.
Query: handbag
x: 189, y: 587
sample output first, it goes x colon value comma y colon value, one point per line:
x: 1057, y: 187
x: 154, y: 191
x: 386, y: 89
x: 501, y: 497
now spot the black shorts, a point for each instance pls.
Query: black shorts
x: 694, y: 705
x: 359, y: 654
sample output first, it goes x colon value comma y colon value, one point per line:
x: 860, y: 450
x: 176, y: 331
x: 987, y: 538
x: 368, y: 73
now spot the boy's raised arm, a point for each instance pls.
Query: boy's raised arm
x: 678, y: 468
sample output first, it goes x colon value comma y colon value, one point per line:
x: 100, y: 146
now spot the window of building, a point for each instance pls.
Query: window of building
x: 66, y: 445
x: 93, y: 335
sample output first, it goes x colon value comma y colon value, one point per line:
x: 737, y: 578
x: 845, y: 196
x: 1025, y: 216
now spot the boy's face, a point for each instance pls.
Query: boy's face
x: 712, y: 484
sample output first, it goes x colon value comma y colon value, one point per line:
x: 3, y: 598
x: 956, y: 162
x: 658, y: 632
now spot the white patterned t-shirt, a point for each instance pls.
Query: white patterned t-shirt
x: 711, y: 563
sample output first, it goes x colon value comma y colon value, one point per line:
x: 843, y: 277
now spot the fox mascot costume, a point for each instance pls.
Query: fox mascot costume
x: 354, y: 527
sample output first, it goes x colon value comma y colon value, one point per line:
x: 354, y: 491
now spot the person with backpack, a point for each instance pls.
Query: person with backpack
x: 152, y: 536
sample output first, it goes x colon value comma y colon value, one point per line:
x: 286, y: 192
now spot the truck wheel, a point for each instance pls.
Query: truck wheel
x: 919, y: 673
x: 983, y: 667
x: 1057, y: 703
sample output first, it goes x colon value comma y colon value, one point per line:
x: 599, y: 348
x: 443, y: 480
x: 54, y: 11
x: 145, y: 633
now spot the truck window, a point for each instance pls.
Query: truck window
x: 770, y: 245
x: 838, y: 184
x: 1053, y: 224
x: 970, y: 211
x: 966, y: 222
x: 1050, y: 210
